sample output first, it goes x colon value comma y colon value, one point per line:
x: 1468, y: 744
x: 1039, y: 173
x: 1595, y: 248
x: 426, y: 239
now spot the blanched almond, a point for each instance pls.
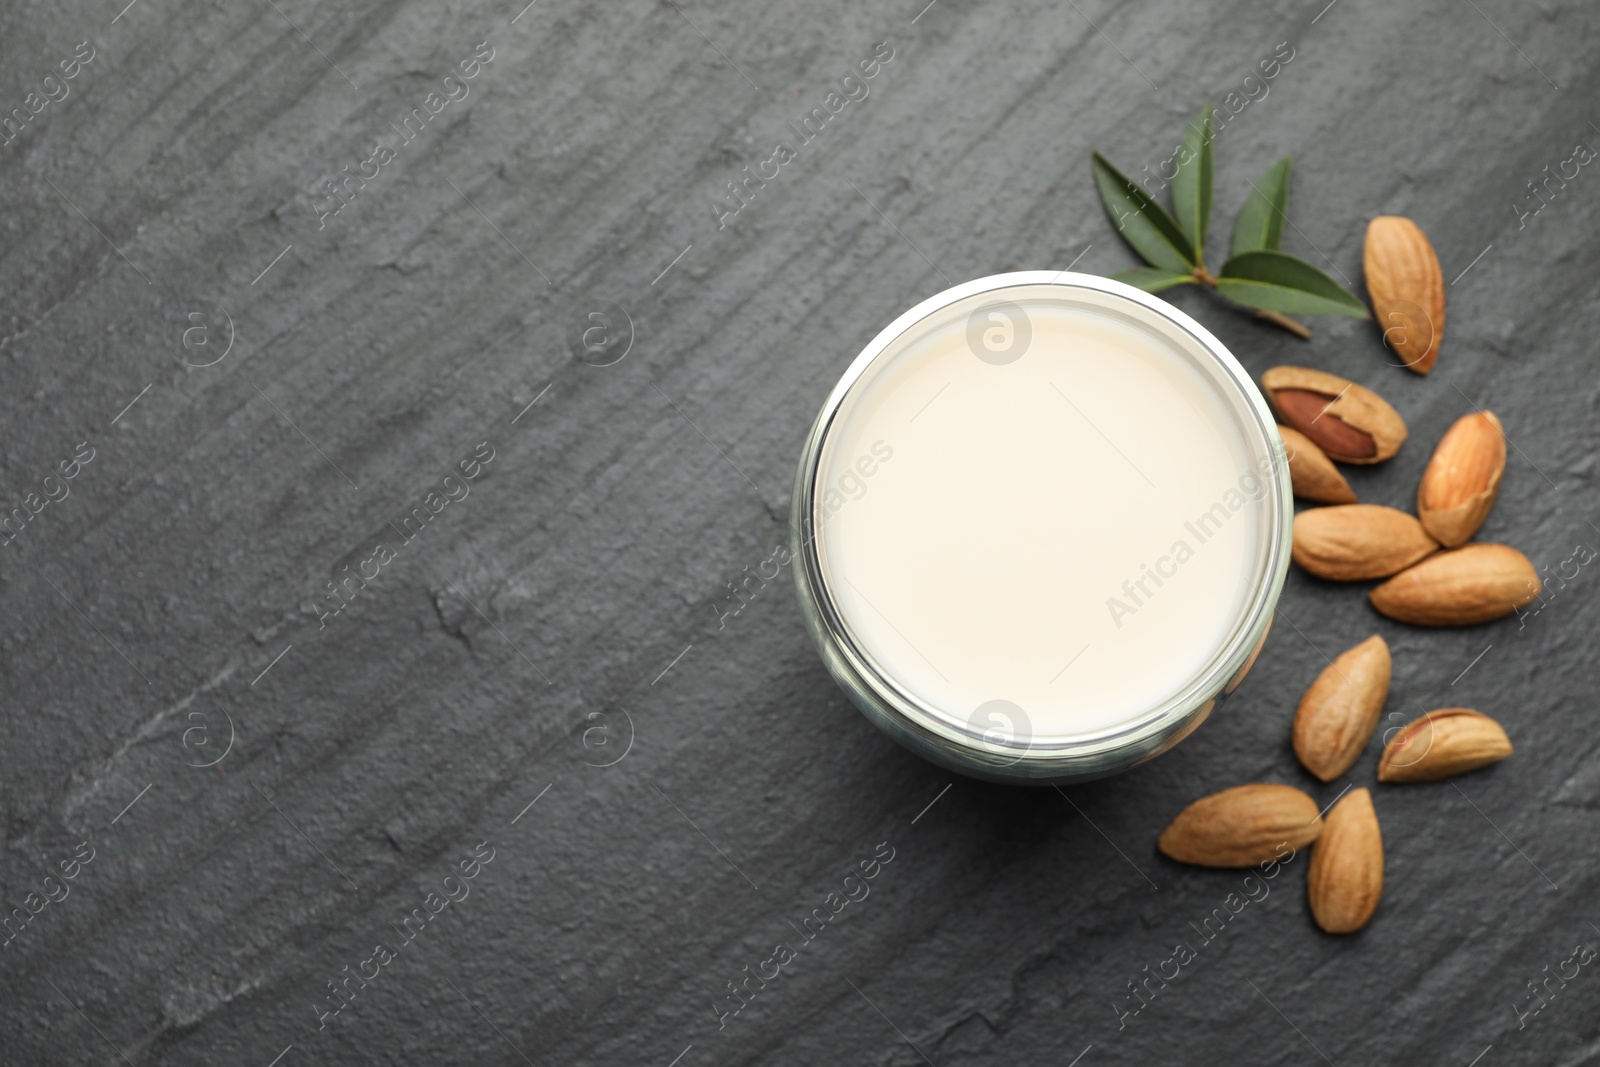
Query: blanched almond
x: 1349, y: 422
x: 1311, y: 471
x: 1242, y: 826
x: 1350, y: 542
x: 1463, y: 479
x: 1443, y: 743
x: 1460, y: 587
x: 1345, y: 880
x: 1338, y: 713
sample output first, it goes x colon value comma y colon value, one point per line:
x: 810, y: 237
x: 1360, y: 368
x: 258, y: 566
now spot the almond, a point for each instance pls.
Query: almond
x: 1460, y: 587
x: 1338, y: 713
x: 1349, y: 542
x: 1463, y: 479
x: 1311, y: 471
x: 1443, y: 743
x: 1407, y: 290
x: 1345, y: 880
x: 1349, y: 422
x: 1242, y: 826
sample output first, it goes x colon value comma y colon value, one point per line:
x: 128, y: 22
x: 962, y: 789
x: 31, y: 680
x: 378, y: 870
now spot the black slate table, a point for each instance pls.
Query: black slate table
x: 539, y: 350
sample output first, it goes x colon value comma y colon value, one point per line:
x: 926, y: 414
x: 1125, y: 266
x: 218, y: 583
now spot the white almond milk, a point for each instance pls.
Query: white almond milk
x: 1045, y: 503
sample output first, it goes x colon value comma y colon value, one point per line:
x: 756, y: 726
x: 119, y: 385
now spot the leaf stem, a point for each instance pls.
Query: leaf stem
x: 1298, y: 329
x: 1209, y: 280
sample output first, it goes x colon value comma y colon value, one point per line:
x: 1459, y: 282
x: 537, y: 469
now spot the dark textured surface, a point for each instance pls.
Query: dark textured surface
x: 595, y: 549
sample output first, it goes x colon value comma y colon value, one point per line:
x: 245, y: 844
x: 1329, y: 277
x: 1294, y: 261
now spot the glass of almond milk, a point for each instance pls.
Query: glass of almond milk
x: 1040, y: 527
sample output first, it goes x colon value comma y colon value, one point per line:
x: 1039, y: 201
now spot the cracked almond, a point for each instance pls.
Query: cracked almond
x: 1242, y: 826
x: 1463, y: 479
x: 1338, y: 713
x: 1349, y: 422
x: 1345, y: 880
x: 1311, y: 471
x: 1407, y: 290
x: 1459, y: 587
x: 1350, y: 542
x: 1442, y: 744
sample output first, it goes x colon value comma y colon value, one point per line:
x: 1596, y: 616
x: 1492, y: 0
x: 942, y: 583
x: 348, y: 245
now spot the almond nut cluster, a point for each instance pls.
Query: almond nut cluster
x: 1247, y: 824
x: 1436, y: 576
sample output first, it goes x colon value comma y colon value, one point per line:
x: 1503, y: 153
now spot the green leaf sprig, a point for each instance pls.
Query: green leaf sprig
x: 1272, y: 283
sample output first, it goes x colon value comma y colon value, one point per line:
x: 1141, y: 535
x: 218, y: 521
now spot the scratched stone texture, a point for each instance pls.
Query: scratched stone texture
x: 253, y: 792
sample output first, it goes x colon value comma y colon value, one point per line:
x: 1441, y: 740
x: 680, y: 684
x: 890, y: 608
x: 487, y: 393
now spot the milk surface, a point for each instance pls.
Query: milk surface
x: 1055, y: 541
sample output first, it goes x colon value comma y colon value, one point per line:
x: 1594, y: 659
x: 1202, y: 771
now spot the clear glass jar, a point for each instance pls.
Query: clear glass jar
x: 892, y: 570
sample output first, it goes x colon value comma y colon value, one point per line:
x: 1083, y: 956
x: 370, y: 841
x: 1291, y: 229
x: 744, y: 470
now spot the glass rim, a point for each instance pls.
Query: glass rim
x: 1172, y: 715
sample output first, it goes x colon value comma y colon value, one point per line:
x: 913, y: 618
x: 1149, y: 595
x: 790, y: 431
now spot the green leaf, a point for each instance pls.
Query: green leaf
x: 1153, y: 279
x: 1277, y: 281
x: 1142, y: 222
x: 1191, y: 186
x: 1260, y: 223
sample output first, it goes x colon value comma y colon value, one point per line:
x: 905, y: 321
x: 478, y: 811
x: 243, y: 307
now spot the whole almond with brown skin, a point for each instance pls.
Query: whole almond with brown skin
x: 1443, y: 743
x: 1407, y: 290
x: 1460, y: 587
x: 1338, y: 713
x: 1345, y: 880
x: 1349, y: 542
x: 1349, y: 422
x: 1311, y: 471
x: 1463, y: 479
x: 1242, y: 826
